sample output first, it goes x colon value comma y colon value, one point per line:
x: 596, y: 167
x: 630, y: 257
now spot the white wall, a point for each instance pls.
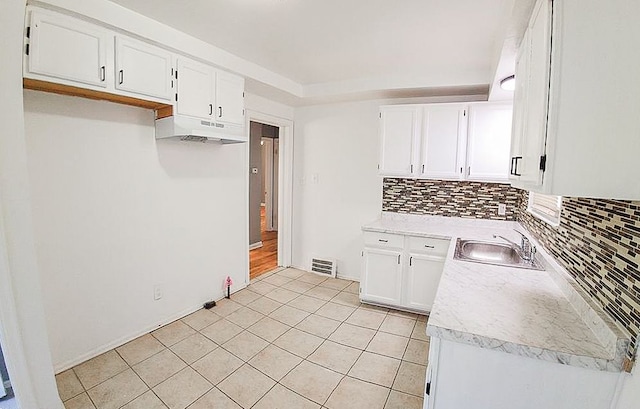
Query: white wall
x: 339, y: 144
x: 22, y: 322
x: 263, y: 105
x: 117, y: 212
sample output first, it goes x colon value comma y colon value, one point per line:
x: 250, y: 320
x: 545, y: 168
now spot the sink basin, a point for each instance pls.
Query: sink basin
x: 501, y: 254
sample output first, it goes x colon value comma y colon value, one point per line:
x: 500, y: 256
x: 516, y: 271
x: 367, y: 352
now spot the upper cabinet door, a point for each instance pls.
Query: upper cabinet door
x: 535, y: 133
x: 399, y: 134
x: 230, y: 99
x: 443, y: 141
x: 65, y: 48
x: 195, y: 89
x: 519, y: 107
x: 143, y: 69
x: 488, y: 144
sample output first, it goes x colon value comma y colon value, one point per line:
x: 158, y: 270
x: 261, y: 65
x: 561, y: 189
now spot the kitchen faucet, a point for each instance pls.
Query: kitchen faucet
x: 526, y: 249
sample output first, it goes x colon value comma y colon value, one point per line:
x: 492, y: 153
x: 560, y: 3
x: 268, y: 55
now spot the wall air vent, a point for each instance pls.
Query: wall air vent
x: 322, y: 266
x: 192, y: 138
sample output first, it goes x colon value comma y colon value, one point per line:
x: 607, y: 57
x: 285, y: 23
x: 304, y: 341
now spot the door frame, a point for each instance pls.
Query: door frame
x: 267, y: 170
x: 285, y: 185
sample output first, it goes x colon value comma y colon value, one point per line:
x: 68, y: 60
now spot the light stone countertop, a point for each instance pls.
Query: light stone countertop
x: 538, y: 314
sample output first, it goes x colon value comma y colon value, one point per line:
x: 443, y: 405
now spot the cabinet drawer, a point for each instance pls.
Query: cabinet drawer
x: 429, y: 245
x: 383, y: 240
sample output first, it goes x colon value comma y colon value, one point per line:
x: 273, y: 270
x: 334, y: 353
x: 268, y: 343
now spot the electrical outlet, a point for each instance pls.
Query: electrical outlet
x: 157, y: 292
x: 502, y: 209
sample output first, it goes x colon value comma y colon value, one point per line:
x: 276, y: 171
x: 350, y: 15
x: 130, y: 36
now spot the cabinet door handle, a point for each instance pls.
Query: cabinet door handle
x: 515, y: 170
x: 411, y: 169
x: 210, y: 109
x: 423, y: 168
x: 383, y: 240
x: 103, y: 73
x: 428, y: 389
x: 429, y: 247
x: 513, y: 158
x: 220, y: 114
x: 460, y: 170
x: 121, y: 77
x: 410, y: 261
x: 398, y: 258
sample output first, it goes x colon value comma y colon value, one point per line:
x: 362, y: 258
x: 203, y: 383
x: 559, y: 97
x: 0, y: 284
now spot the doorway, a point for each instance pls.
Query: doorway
x: 264, y: 167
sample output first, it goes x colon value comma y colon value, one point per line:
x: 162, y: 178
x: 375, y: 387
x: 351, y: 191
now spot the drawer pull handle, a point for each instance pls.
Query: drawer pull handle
x: 429, y: 247
x: 383, y: 241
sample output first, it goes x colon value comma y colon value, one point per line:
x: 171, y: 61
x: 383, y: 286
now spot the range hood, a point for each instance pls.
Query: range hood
x: 197, y: 130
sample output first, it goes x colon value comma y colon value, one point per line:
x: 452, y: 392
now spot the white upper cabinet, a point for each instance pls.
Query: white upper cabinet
x: 575, y: 122
x: 444, y: 141
x: 399, y: 135
x: 196, y: 92
x: 230, y: 99
x: 488, y: 143
x: 216, y: 96
x: 66, y: 48
x: 443, y: 137
x: 534, y: 63
x: 519, y: 109
x: 143, y: 69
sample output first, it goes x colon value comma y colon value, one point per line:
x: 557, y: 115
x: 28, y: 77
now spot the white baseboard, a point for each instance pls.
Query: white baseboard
x: 63, y: 366
x: 255, y: 245
x: 348, y: 277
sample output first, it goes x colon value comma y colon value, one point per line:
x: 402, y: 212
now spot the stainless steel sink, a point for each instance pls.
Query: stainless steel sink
x: 500, y: 254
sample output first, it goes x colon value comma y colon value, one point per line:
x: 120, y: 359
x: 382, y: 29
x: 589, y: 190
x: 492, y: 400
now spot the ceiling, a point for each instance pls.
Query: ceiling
x: 340, y: 47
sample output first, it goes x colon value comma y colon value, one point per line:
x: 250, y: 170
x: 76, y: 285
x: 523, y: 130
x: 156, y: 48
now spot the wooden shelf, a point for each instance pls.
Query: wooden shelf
x: 162, y: 110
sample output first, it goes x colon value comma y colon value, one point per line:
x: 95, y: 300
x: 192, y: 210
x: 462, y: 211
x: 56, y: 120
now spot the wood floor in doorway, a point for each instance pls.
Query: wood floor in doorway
x: 264, y: 259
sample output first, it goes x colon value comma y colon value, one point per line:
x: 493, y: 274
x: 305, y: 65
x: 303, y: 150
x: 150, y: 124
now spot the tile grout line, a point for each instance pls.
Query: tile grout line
x: 340, y: 322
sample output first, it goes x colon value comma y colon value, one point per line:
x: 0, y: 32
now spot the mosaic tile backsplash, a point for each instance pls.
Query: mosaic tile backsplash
x: 449, y: 198
x: 597, y: 242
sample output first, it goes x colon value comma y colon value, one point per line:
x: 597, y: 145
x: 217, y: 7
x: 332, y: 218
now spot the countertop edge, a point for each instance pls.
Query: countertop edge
x: 565, y: 358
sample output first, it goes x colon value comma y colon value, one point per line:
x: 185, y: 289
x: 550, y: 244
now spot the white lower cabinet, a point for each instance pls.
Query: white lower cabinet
x: 467, y: 376
x: 383, y: 281
x: 423, y: 276
x: 402, y: 271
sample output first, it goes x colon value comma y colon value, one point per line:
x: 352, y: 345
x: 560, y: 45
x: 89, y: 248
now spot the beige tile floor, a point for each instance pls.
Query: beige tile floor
x: 289, y: 340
